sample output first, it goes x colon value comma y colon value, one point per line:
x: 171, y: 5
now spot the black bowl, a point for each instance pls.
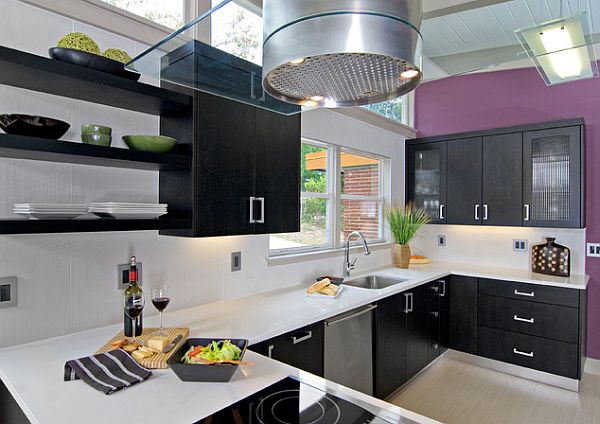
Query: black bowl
x: 92, y: 61
x: 34, y: 126
x: 217, y: 373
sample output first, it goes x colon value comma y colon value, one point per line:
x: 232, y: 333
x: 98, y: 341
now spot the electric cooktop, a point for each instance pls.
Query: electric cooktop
x: 293, y: 402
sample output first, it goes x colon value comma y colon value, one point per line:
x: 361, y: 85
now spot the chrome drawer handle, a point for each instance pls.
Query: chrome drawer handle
x: 270, y: 351
x: 518, y: 318
x: 297, y: 340
x: 519, y: 352
x: 528, y: 294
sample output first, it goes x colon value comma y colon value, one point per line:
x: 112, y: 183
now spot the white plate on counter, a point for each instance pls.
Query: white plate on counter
x: 318, y: 295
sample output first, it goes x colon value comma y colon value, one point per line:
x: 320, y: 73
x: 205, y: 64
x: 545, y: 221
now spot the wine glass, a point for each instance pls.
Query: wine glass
x: 160, y: 300
x: 134, y: 305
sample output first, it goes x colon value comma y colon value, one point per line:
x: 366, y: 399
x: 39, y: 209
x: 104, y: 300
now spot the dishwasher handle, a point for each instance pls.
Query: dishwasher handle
x: 359, y: 313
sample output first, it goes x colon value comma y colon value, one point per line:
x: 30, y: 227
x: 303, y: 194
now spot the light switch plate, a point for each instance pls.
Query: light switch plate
x: 236, y: 261
x: 520, y: 245
x: 123, y: 275
x: 442, y: 240
x: 593, y: 250
x: 8, y: 289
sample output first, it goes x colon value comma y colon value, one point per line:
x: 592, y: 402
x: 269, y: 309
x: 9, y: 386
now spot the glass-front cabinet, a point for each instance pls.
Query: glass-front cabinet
x: 553, y: 171
x: 426, y: 182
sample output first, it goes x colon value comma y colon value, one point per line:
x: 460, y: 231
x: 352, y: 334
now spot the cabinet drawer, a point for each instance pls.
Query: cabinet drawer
x: 530, y: 292
x: 538, y: 319
x: 551, y: 356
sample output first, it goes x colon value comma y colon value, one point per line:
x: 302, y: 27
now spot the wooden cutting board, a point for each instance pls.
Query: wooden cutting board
x: 156, y: 361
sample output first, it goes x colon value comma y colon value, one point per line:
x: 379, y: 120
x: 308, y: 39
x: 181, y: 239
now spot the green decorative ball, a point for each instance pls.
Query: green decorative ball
x: 79, y: 41
x: 118, y: 55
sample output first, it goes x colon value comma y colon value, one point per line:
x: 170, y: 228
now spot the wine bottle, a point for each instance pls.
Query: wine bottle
x: 132, y: 321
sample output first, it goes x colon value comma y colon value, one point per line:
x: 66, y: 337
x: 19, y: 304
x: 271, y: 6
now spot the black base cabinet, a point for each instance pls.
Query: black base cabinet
x: 389, y: 344
x: 302, y: 348
x: 463, y: 314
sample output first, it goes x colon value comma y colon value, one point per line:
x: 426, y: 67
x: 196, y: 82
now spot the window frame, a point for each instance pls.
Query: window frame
x: 335, y: 197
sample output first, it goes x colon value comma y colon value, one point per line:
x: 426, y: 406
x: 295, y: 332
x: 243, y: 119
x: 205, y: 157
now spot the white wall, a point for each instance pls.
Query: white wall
x: 67, y: 283
x: 493, y: 245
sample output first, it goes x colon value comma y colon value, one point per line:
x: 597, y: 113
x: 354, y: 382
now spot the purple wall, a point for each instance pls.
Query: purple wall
x: 505, y: 98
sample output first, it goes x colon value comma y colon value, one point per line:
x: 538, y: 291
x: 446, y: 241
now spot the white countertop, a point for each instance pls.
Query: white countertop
x: 33, y: 373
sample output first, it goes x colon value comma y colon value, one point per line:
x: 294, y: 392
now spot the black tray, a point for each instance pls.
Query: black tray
x: 217, y: 373
x: 93, y: 61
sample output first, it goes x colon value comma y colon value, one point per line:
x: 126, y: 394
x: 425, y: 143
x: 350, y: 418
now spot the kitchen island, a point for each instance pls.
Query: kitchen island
x: 33, y: 372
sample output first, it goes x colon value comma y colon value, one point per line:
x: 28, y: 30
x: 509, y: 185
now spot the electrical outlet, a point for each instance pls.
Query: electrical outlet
x: 8, y: 292
x: 593, y: 250
x: 236, y: 261
x: 123, y: 275
x: 520, y: 245
x: 442, y: 240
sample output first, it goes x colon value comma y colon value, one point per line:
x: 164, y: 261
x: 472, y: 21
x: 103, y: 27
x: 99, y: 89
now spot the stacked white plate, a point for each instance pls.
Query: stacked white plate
x: 127, y: 210
x: 49, y: 210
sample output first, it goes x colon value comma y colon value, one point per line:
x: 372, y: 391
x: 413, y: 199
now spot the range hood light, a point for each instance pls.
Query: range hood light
x: 409, y: 74
x: 353, y: 50
x: 560, y: 49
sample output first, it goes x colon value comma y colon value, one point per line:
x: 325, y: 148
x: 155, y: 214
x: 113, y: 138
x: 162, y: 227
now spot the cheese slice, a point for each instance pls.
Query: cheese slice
x: 157, y: 343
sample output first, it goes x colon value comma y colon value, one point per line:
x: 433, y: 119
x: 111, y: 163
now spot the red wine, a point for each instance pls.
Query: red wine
x: 134, y: 311
x: 161, y: 303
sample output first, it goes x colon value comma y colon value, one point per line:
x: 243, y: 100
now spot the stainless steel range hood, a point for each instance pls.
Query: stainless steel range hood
x: 341, y: 52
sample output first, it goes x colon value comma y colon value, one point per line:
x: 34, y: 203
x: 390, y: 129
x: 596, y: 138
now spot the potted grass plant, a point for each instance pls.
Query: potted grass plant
x: 404, y: 223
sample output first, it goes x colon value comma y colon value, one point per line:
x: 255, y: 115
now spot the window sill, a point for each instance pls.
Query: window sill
x: 292, y: 258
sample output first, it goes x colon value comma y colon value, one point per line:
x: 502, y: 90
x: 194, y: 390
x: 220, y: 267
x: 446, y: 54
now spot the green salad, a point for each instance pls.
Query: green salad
x: 215, y: 351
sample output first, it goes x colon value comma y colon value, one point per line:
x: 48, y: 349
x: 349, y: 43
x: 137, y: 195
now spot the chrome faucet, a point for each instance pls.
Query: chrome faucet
x: 349, y: 266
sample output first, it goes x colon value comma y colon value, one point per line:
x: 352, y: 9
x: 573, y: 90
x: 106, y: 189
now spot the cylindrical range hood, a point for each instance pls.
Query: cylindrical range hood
x: 341, y: 52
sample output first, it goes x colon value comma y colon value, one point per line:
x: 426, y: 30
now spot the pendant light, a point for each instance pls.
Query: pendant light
x: 338, y: 53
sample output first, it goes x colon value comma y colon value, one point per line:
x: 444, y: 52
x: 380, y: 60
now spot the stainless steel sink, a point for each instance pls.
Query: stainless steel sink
x: 374, y: 282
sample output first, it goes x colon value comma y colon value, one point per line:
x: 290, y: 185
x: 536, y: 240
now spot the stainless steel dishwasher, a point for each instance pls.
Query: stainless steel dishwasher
x: 349, y: 349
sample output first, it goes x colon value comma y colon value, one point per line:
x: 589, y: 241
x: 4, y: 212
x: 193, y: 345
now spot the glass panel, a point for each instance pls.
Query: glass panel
x: 314, y: 169
x: 166, y: 13
x: 313, y: 227
x: 237, y: 31
x: 360, y: 215
x: 550, y: 174
x: 360, y: 175
x: 182, y: 59
x: 392, y: 109
x: 427, y: 182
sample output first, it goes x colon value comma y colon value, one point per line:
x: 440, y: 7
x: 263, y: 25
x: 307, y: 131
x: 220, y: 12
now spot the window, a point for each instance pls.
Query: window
x: 392, y: 109
x: 237, y: 31
x: 167, y: 13
x: 341, y: 192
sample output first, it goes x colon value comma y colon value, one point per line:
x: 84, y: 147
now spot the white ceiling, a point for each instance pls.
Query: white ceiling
x: 484, y: 36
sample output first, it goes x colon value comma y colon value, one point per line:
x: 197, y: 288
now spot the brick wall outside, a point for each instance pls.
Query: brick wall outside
x: 361, y: 216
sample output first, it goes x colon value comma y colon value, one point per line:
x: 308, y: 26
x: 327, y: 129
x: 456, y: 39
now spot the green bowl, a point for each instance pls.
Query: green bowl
x: 96, y: 139
x: 93, y: 129
x: 150, y: 143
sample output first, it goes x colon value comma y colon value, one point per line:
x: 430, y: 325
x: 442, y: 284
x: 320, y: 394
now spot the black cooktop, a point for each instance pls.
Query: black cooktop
x: 293, y: 402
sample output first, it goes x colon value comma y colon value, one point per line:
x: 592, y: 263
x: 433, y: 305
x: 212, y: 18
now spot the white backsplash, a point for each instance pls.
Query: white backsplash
x: 67, y: 283
x: 493, y: 245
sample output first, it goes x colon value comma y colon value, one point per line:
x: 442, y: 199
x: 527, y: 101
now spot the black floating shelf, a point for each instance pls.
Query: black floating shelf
x: 21, y: 147
x: 25, y: 226
x: 32, y: 72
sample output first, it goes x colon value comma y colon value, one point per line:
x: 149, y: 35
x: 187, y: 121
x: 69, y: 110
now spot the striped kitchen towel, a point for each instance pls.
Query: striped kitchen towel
x: 107, y: 372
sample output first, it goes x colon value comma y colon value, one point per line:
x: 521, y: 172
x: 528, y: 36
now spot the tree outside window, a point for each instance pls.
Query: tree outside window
x: 166, y: 13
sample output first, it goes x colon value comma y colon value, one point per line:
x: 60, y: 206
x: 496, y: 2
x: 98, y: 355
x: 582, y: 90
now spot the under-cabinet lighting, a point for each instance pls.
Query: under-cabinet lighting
x: 560, y: 49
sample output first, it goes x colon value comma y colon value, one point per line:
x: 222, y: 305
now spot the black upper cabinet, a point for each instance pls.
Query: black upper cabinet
x: 426, y: 179
x: 464, y: 181
x: 390, y: 344
x: 245, y: 177
x: 502, y: 180
x: 553, y: 178
x: 277, y: 172
x: 530, y: 175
